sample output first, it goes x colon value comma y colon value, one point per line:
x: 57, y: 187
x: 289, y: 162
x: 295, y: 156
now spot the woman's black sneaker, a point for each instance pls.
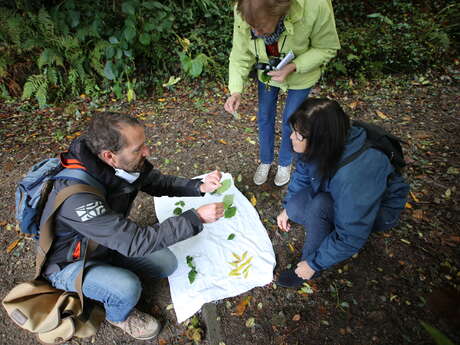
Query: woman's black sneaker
x: 290, y: 279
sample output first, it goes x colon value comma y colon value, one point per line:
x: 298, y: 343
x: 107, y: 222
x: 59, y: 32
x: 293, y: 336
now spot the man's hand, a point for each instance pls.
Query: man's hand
x: 211, y: 212
x: 281, y: 75
x: 283, y: 221
x: 211, y: 182
x: 233, y: 102
x: 304, y: 270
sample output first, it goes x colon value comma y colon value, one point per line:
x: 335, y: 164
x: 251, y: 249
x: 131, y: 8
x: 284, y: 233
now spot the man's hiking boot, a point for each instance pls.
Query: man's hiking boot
x: 139, y: 325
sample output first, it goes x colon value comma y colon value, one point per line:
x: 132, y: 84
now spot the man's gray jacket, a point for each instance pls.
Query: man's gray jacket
x: 85, y: 216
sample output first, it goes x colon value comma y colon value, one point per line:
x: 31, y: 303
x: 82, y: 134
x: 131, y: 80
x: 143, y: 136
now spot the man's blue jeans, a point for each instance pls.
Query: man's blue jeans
x: 116, y: 284
x: 268, y: 98
x: 316, y: 214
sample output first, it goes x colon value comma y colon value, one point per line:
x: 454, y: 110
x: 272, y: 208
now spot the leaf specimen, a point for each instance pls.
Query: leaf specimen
x: 225, y: 185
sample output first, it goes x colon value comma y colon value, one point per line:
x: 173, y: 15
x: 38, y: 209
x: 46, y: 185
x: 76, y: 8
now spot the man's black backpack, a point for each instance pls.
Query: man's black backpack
x: 378, y: 138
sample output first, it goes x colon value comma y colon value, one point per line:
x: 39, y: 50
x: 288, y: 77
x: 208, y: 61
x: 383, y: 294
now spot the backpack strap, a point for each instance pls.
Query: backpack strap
x: 80, y: 176
x: 47, y: 232
x: 352, y: 157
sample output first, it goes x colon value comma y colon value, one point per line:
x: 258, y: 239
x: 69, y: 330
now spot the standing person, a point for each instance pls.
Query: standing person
x: 114, y: 152
x: 338, y: 209
x: 264, y: 32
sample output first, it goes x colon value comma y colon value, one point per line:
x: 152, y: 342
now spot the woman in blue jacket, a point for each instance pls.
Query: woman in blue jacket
x: 338, y: 211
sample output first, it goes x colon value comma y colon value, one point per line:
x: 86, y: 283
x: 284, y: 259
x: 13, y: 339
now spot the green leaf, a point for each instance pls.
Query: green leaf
x: 196, y: 68
x: 144, y: 38
x: 231, y: 237
x: 265, y: 78
x: 131, y: 95
x: 108, y: 70
x: 109, y: 52
x: 180, y: 203
x: 128, y: 8
x: 438, y: 337
x: 172, y: 81
x: 73, y: 18
x: 225, y: 185
x: 228, y: 200
x: 230, y: 212
x: 189, y: 260
x: 177, y: 211
x: 192, y: 275
x: 114, y: 40
x: 129, y: 32
x: 152, y: 4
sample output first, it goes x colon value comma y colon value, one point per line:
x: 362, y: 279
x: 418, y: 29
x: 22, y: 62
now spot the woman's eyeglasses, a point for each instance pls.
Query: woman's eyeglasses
x: 298, y: 136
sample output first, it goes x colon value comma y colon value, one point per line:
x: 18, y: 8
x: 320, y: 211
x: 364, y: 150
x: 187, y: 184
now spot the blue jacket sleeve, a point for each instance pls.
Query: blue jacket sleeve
x: 300, y: 181
x: 357, y: 192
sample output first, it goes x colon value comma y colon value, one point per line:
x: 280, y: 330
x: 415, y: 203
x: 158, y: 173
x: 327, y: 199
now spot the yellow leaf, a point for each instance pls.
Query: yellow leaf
x: 296, y: 317
x: 381, y: 115
x: 405, y: 241
x: 161, y: 99
x: 241, y: 307
x: 253, y: 200
x: 414, y: 197
x: 245, y: 263
x: 234, y: 273
x: 13, y: 245
x: 236, y: 256
x: 353, y: 105
x: 82, y: 96
x: 408, y: 205
x: 222, y: 141
x: 291, y: 248
x: 253, y: 118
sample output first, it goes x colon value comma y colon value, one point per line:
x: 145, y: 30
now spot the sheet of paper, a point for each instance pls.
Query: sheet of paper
x: 212, y: 253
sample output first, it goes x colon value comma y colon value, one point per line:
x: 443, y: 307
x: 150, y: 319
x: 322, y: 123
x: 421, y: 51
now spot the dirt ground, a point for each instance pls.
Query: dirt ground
x: 379, y: 296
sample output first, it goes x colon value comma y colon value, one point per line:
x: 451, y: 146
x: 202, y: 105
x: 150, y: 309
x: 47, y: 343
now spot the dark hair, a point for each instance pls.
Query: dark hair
x: 250, y: 9
x: 325, y: 125
x: 103, y: 131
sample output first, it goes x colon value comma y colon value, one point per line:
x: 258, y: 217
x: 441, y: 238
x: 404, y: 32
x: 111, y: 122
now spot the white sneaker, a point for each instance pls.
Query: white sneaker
x: 261, y: 174
x: 283, y: 175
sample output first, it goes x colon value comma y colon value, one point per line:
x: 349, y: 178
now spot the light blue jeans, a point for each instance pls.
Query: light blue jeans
x: 116, y: 284
x: 268, y: 98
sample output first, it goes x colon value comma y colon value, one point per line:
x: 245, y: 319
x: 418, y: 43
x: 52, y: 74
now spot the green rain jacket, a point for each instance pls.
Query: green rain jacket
x: 310, y: 34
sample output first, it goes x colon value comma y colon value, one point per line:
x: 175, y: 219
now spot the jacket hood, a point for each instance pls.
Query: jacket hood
x: 79, y: 156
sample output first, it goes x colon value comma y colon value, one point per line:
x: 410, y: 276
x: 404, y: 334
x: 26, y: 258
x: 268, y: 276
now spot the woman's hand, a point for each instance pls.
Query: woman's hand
x: 233, y: 102
x: 281, y: 75
x: 304, y: 270
x: 211, y: 182
x: 283, y: 221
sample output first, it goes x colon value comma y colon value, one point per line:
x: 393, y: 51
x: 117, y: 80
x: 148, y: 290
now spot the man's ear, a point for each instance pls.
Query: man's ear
x: 108, y: 157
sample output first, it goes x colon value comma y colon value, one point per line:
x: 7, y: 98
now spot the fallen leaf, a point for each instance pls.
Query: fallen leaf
x: 296, y: 317
x: 250, y: 322
x: 353, y: 105
x: 253, y: 118
x: 169, y: 306
x: 162, y: 341
x: 241, y: 307
x: 417, y: 214
x: 453, y: 171
x: 149, y: 125
x: 408, y: 205
x: 414, y: 197
x: 161, y: 99
x: 222, y: 141
x: 13, y: 245
x: 253, y: 200
x: 291, y: 248
x: 405, y: 241
x: 381, y: 115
